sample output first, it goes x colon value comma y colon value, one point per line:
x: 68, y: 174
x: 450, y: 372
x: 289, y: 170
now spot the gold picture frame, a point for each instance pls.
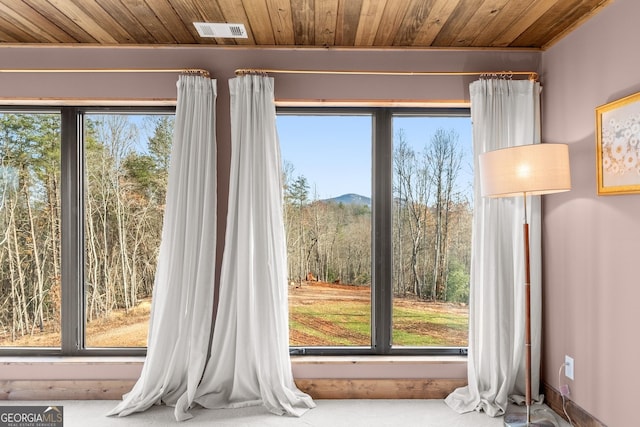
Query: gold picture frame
x: 618, y: 146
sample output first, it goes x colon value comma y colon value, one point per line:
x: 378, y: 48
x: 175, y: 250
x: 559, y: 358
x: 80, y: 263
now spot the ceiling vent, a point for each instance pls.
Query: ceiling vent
x: 207, y: 29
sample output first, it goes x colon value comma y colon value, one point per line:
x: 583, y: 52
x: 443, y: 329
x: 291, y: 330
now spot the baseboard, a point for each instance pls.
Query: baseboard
x: 579, y: 416
x: 379, y: 388
x: 64, y: 389
x: 316, y: 388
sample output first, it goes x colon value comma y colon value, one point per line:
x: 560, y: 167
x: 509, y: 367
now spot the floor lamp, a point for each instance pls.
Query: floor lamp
x: 525, y: 170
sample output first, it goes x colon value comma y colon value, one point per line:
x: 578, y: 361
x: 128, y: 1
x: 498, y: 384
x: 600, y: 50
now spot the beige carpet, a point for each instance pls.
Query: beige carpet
x: 328, y: 413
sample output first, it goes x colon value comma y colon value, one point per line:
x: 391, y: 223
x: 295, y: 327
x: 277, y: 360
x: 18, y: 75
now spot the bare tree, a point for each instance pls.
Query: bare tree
x: 413, y: 190
x: 107, y: 186
x: 444, y: 158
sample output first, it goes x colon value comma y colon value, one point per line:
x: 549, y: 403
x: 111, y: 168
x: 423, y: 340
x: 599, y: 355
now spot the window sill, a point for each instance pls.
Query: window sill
x: 89, y: 360
x: 326, y: 360
x: 120, y: 367
x: 70, y: 367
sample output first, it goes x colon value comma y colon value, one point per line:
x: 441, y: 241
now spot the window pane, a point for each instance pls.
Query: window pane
x: 432, y: 212
x: 30, y: 226
x: 126, y: 168
x: 327, y: 214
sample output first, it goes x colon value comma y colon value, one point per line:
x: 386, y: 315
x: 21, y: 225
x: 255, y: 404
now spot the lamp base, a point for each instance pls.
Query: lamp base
x: 518, y: 418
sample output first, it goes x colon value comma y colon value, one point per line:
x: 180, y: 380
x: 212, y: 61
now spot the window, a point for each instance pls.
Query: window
x: 377, y: 216
x: 378, y: 222
x: 327, y: 214
x: 83, y: 202
x: 125, y: 180
x: 30, y: 227
x: 432, y: 216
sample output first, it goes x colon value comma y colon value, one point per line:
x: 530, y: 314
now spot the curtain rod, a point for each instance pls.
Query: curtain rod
x: 531, y: 74
x: 200, y: 71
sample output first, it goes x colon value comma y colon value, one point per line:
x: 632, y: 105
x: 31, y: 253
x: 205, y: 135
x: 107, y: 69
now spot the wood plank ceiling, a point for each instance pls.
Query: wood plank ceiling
x: 288, y: 23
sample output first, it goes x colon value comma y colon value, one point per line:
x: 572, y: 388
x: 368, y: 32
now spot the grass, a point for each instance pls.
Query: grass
x: 342, y: 317
x: 342, y: 324
x: 425, y: 327
x: 319, y: 316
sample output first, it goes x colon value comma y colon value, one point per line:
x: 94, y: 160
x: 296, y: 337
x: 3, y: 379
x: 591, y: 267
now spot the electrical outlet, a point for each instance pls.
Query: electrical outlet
x: 568, y: 367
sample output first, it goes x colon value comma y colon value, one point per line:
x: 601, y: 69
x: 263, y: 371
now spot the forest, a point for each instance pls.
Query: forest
x: 331, y: 241
x: 124, y: 182
x: 124, y: 178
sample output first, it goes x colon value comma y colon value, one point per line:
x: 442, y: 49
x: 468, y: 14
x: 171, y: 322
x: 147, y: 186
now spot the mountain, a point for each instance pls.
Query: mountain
x: 350, y: 199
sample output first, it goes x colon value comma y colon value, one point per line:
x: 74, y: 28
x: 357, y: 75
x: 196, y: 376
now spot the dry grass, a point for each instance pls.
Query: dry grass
x: 120, y: 329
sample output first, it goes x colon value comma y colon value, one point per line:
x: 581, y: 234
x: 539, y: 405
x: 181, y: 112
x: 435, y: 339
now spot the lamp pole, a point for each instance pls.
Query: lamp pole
x: 527, y: 310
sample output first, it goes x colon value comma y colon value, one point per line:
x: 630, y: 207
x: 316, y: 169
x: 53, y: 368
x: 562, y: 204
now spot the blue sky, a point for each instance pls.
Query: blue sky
x: 334, y: 152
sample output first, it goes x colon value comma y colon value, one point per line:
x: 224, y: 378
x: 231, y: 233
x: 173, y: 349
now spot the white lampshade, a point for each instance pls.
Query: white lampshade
x: 532, y: 169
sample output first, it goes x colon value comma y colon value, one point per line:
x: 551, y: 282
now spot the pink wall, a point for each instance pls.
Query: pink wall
x: 222, y: 62
x: 591, y: 243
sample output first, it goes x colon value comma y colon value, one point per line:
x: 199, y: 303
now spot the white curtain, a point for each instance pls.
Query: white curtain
x: 249, y: 362
x: 183, y: 294
x: 504, y: 113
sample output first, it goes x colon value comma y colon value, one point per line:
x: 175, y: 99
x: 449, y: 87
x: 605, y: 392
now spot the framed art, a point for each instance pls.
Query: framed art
x: 618, y: 146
